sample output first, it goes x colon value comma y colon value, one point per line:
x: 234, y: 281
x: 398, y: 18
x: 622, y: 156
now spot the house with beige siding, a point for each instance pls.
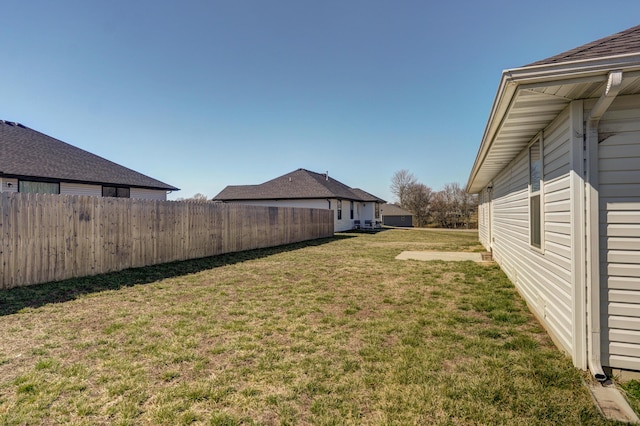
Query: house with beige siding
x: 33, y: 162
x: 558, y: 177
x: 352, y: 207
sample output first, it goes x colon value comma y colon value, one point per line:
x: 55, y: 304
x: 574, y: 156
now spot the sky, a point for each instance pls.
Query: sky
x: 201, y: 94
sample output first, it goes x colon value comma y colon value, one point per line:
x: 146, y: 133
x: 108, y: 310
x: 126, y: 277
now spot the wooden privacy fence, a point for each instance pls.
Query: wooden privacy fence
x: 55, y: 237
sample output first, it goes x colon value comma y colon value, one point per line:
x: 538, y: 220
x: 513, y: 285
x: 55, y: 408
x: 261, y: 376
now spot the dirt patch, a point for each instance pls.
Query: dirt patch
x: 439, y: 255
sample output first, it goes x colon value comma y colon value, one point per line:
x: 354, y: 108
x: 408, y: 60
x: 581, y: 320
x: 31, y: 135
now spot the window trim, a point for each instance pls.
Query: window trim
x: 536, y: 196
x: 117, y: 189
x: 21, y: 182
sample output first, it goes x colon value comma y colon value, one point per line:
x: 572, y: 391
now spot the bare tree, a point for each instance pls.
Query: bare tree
x: 452, y: 197
x: 400, y: 183
x: 453, y: 207
x: 468, y: 207
x: 417, y: 201
x: 438, y: 212
x: 197, y: 198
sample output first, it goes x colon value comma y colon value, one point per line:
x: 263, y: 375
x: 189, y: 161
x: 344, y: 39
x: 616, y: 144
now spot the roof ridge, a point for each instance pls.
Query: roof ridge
x: 14, y: 124
x: 306, y: 184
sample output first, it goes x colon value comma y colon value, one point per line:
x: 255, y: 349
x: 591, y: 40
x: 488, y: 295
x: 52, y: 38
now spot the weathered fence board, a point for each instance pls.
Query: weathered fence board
x: 53, y: 237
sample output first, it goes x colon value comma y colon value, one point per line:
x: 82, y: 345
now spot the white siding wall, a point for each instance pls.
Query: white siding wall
x: 619, y: 177
x: 345, y: 223
x: 80, y: 189
x: 367, y: 211
x: 543, y: 277
x: 483, y: 218
x: 148, y: 194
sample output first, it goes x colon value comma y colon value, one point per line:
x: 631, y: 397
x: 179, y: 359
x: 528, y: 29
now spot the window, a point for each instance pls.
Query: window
x: 116, y: 191
x: 351, y: 206
x: 535, y: 183
x: 31, y: 187
x: 339, y: 209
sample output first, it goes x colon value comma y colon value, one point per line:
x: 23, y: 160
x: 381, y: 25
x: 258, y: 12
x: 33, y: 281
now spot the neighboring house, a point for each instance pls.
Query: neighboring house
x: 558, y: 175
x: 31, y: 161
x: 303, y: 188
x: 393, y: 215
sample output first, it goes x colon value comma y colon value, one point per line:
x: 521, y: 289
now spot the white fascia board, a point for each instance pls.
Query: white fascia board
x: 538, y: 76
x: 503, y: 98
x: 566, y: 70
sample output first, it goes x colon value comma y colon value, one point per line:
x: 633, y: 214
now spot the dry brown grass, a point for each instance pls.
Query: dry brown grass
x: 332, y: 332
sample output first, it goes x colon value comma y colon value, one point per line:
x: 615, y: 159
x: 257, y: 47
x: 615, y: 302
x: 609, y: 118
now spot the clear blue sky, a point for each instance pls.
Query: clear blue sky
x: 203, y: 94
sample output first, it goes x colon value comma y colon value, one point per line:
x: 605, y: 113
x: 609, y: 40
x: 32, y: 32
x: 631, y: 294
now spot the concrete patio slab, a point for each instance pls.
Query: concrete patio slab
x: 612, y: 403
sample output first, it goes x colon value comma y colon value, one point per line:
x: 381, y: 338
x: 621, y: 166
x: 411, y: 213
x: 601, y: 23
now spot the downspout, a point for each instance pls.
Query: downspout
x: 489, y: 216
x: 614, y: 83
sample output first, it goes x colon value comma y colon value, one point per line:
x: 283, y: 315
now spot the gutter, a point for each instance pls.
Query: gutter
x: 614, y: 84
x: 579, y: 68
x: 501, y: 104
x: 536, y: 76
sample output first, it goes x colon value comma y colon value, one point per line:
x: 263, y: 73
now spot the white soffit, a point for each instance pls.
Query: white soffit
x: 531, y: 109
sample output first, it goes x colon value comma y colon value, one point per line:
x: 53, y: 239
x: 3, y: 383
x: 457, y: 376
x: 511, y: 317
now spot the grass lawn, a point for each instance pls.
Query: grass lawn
x: 331, y: 332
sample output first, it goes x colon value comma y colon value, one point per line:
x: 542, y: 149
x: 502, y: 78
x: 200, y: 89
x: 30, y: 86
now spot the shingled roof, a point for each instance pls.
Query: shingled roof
x: 529, y: 98
x: 394, y: 210
x: 365, y: 196
x: 26, y: 153
x: 299, y: 184
x: 622, y: 43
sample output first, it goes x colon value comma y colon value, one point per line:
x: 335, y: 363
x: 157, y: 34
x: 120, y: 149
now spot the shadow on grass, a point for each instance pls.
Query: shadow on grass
x: 365, y: 231
x: 15, y: 299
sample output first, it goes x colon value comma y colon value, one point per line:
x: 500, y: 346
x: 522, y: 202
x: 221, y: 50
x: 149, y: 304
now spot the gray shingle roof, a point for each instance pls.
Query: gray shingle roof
x: 299, y: 184
x: 26, y: 153
x: 394, y: 210
x: 624, y: 42
x: 365, y: 196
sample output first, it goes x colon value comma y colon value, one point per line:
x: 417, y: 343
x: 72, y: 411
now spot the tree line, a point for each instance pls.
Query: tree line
x: 197, y: 198
x: 451, y: 207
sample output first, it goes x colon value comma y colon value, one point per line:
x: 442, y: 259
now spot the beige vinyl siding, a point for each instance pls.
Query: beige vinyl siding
x: 148, y: 194
x: 543, y: 277
x: 619, y: 185
x: 80, y: 189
